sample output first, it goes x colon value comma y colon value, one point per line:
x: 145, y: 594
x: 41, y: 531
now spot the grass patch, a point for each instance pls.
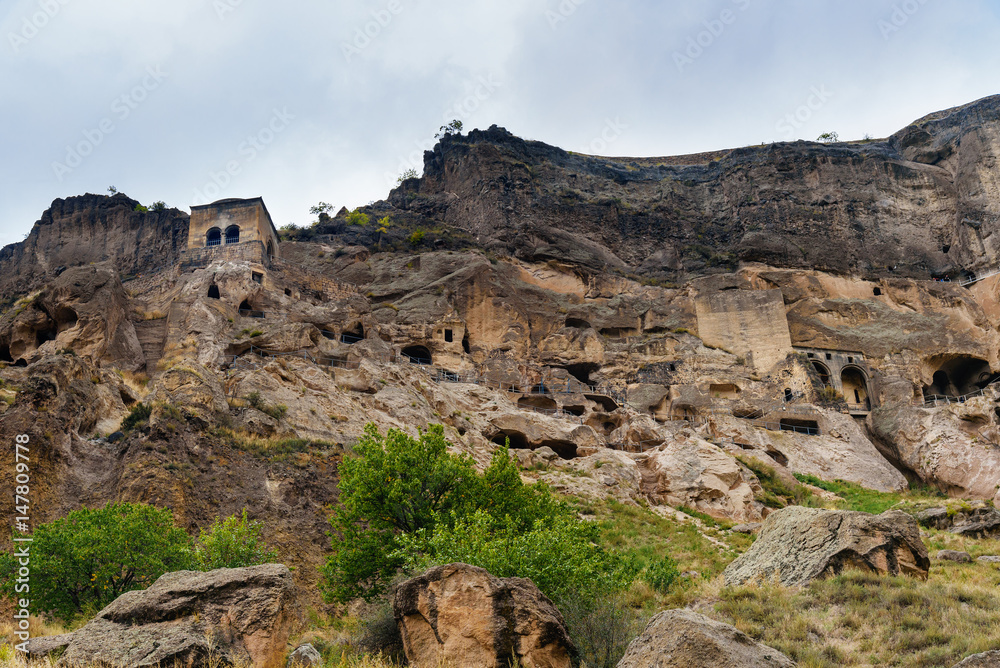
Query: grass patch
x: 777, y: 493
x: 270, y: 448
x: 855, y: 497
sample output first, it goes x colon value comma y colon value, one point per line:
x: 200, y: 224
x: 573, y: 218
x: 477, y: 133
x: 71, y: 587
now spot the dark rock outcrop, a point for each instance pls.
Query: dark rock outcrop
x: 463, y: 616
x: 797, y: 545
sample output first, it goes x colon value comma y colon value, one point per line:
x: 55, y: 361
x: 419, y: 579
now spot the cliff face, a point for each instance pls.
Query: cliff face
x: 90, y: 229
x: 879, y: 208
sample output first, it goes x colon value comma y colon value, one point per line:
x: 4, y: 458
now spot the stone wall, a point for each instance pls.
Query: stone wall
x: 247, y: 251
x: 249, y: 215
x: 746, y: 322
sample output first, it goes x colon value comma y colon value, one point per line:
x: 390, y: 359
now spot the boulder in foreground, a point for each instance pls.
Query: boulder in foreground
x: 461, y: 615
x: 987, y: 660
x: 797, y: 545
x: 222, y: 617
x: 685, y: 639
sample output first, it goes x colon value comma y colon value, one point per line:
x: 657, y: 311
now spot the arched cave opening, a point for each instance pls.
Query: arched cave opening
x: 417, y: 354
x: 5, y: 354
x: 575, y: 410
x: 21, y: 362
x: 877, y: 292
x: 959, y: 376
x: 788, y: 394
x: 270, y: 250
x: 823, y: 372
x: 66, y: 318
x: 538, y: 401
x: 327, y: 334
x: 288, y: 292
x: 582, y: 372
x: 352, y: 336
x: 855, y: 386
x: 213, y: 292
x: 607, y: 403
x: 565, y: 449
x: 518, y: 441
x: 245, y: 306
x: 724, y: 390
x: 44, y: 336
x: 578, y: 323
x: 465, y: 343
x: 777, y: 457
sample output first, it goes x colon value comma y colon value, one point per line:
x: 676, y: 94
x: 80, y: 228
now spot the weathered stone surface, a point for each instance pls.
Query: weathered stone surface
x: 954, y: 555
x: 989, y: 559
x: 686, y: 639
x: 797, y: 545
x: 304, y: 656
x: 233, y: 614
x: 462, y: 615
x: 985, y: 660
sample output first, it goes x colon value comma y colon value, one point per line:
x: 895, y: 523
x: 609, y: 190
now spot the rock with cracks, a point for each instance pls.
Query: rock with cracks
x: 798, y: 545
x: 461, y: 615
x: 222, y: 617
x: 987, y: 660
x: 685, y: 639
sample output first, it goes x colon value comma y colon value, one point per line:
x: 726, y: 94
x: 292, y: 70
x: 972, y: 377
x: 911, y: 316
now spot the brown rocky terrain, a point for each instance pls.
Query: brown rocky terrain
x: 636, y: 328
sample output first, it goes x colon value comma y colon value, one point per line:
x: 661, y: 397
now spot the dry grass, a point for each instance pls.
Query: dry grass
x: 137, y: 382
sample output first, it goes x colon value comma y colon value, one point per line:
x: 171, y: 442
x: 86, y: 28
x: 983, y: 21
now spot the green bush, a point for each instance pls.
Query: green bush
x: 416, y: 238
x: 358, y: 217
x: 661, y: 574
x: 139, y: 415
x: 82, y: 562
x: 277, y: 411
x: 232, y: 543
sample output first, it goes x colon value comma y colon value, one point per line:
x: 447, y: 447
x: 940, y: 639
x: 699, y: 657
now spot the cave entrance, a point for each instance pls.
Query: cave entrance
x: 855, y: 385
x: 5, y: 354
x: 44, y: 336
x: 465, y: 343
x: 417, y: 354
x: 538, y: 402
x: 247, y: 311
x: 583, y: 371
x: 808, y: 427
x: 724, y: 391
x: 213, y: 292
x: 578, y: 323
x: 518, y: 441
x: 353, y: 336
x: 565, y: 449
x: 960, y: 376
x: 823, y: 372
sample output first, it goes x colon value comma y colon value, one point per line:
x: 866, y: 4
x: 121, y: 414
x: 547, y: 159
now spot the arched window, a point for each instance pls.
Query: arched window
x: 855, y: 386
x: 214, y: 237
x: 233, y: 234
x: 270, y: 250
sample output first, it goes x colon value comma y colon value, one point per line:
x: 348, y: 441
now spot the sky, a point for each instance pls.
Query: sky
x: 302, y: 101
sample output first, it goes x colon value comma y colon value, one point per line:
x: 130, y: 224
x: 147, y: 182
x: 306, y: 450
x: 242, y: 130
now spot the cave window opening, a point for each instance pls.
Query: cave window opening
x: 5, y: 354
x: 788, y: 394
x: 213, y: 292
x: 582, y: 372
x: 829, y: 357
x: 247, y: 311
x: 946, y: 248
x: 257, y: 278
x: 288, y: 292
x: 449, y: 336
x: 44, y: 336
x: 214, y: 237
x: 328, y: 335
x: 417, y: 355
x: 811, y: 355
x: 465, y: 344
x: 353, y: 336
x: 233, y: 234
x: 270, y: 250
x: 807, y: 427
x: 21, y: 362
x: 578, y: 323
x: 518, y: 441
x: 877, y: 292
x: 850, y: 360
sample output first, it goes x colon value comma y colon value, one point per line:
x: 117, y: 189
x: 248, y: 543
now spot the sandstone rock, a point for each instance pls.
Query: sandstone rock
x: 989, y: 559
x: 235, y: 614
x: 191, y: 387
x: 462, y: 615
x: 686, y: 639
x: 954, y: 555
x: 692, y: 472
x: 304, y: 656
x: 797, y: 545
x: 748, y: 528
x: 986, y: 660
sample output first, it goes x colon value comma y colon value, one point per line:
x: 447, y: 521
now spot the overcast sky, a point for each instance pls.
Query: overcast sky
x: 189, y: 101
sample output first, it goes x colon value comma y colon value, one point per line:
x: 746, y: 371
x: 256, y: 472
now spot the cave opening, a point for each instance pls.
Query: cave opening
x: 823, y: 372
x: 960, y: 376
x: 578, y: 323
x: 21, y: 362
x: 417, y: 354
x: 538, y: 401
x: 465, y: 343
x: 5, y: 354
x: 583, y: 371
x: 517, y: 440
x: 788, y: 394
x: 809, y: 427
x: 44, y: 336
x: 855, y: 386
x: 565, y: 449
x: 778, y: 458
x: 213, y: 292
x: 352, y: 336
x: 877, y: 292
x: 449, y: 336
x: 575, y: 410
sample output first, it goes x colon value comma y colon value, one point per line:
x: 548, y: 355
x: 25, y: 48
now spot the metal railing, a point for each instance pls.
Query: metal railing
x: 213, y: 242
x: 777, y: 426
x: 943, y: 400
x: 965, y: 282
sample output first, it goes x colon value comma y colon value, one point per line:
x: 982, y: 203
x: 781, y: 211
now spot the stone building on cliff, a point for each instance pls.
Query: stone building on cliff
x: 230, y: 229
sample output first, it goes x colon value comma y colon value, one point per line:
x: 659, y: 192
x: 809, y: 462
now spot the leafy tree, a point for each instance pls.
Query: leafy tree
x: 158, y: 206
x: 384, y: 224
x: 417, y: 237
x: 82, y: 562
x: 232, y: 543
x: 322, y: 210
x: 453, y: 128
x: 112, y: 190
x: 829, y: 138
x: 358, y: 217
x: 140, y: 209
x: 407, y: 174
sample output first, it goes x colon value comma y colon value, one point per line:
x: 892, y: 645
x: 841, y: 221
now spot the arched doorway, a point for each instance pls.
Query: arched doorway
x: 270, y: 250
x: 823, y: 372
x: 855, y: 385
x: 213, y: 292
x: 233, y: 234
x: 417, y: 354
x: 213, y: 237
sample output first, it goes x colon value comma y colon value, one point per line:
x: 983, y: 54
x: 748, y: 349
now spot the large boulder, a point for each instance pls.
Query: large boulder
x: 798, y: 545
x: 198, y: 619
x: 987, y: 660
x: 685, y: 639
x: 461, y: 615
